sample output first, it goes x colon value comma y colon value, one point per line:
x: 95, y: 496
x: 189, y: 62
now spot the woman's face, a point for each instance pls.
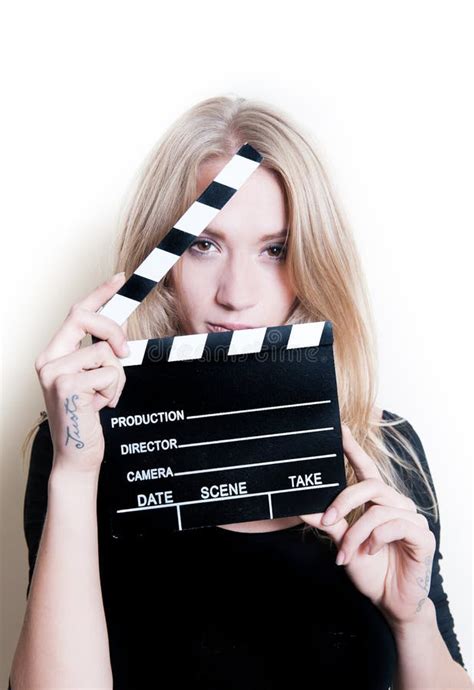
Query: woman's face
x: 234, y: 274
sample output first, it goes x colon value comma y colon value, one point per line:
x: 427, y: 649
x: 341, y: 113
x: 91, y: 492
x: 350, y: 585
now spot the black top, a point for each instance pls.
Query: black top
x: 221, y: 610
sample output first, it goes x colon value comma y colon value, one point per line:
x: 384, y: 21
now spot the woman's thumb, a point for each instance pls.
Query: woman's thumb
x: 335, y: 531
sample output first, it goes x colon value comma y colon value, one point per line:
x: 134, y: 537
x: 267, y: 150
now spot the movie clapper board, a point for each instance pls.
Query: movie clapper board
x: 216, y: 428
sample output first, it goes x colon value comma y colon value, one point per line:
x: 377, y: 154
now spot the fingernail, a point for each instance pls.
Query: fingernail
x: 125, y: 349
x: 340, y: 558
x: 329, y: 516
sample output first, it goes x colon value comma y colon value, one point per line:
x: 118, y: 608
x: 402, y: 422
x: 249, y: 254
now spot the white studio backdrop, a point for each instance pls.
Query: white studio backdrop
x: 88, y: 89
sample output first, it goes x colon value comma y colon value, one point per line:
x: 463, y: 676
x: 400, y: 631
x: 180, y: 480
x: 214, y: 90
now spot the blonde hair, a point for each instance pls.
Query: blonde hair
x: 322, y: 258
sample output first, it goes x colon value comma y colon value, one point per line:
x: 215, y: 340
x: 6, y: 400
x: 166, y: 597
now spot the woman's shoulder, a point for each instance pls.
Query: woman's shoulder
x: 401, y: 438
x: 388, y: 419
x: 381, y: 414
x: 397, y: 431
x: 43, y: 432
x: 404, y: 428
x: 43, y: 425
x: 41, y: 455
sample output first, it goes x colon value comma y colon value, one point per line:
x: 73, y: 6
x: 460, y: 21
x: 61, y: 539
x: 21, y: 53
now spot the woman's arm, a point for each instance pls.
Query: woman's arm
x: 64, y: 637
x: 64, y: 641
x: 388, y: 553
x: 429, y: 652
x: 424, y: 660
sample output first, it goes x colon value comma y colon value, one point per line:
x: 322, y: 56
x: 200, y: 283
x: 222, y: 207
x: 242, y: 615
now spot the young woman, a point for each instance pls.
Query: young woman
x: 351, y: 598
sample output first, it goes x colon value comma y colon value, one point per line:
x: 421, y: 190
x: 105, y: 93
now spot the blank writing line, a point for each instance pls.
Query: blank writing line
x: 251, y: 438
x: 254, y: 464
x: 226, y: 498
x: 257, y: 409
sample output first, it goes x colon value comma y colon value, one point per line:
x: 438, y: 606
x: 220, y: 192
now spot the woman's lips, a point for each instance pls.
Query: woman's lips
x: 220, y: 327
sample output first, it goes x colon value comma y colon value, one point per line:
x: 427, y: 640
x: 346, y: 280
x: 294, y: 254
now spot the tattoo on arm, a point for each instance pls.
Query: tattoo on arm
x: 72, y: 432
x: 425, y: 582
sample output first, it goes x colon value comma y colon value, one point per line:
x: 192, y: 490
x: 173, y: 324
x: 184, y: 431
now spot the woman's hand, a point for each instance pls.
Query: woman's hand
x: 78, y: 382
x: 388, y: 552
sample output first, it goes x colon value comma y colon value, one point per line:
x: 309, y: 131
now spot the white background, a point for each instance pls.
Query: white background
x: 88, y: 88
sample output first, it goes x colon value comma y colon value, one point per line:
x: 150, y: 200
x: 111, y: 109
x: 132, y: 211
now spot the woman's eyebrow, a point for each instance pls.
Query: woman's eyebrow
x: 271, y: 236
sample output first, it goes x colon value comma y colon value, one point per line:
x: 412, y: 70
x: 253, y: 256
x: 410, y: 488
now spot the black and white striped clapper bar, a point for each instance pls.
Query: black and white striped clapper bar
x: 218, y: 428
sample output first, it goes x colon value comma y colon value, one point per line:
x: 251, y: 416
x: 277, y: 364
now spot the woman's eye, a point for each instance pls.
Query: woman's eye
x: 280, y: 248
x: 203, y: 246
x: 201, y: 242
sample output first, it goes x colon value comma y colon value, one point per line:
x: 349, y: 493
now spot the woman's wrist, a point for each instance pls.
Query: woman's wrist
x: 72, y: 503
x: 423, y: 622
x: 64, y: 473
x: 64, y: 478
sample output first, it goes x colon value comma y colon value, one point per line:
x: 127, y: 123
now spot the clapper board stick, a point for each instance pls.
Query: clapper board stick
x: 220, y: 427
x: 182, y: 234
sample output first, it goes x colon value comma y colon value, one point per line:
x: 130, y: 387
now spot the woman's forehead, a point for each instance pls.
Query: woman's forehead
x: 258, y: 208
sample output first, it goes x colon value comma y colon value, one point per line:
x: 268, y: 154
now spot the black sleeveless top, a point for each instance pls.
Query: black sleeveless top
x: 222, y: 610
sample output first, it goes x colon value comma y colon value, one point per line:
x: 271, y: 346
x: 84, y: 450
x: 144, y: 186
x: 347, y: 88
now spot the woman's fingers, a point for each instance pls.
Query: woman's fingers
x: 364, y: 466
x: 81, y: 320
x: 78, y: 382
x: 336, y: 532
x: 372, y: 489
x: 87, y: 358
x: 98, y: 384
x: 98, y: 297
x: 77, y: 324
x: 375, y: 516
x: 419, y: 539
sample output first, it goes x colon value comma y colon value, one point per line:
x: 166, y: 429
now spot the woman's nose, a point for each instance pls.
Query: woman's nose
x: 238, y: 286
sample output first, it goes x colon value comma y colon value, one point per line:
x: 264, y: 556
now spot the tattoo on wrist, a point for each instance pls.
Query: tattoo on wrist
x: 73, y: 431
x: 425, y: 582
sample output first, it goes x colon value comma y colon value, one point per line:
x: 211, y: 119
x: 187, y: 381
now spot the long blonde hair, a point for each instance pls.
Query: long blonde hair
x: 322, y: 258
